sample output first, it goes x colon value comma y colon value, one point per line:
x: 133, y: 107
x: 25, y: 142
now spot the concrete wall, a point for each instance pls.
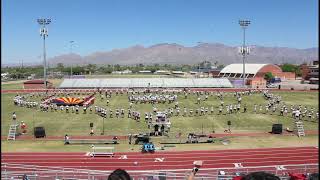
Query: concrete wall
x: 35, y: 86
x: 296, y: 85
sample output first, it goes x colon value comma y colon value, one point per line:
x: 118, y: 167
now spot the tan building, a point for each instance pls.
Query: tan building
x: 310, y: 72
x: 254, y: 73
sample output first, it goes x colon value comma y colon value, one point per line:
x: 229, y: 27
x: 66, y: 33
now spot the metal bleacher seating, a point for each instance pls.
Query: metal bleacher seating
x: 147, y: 82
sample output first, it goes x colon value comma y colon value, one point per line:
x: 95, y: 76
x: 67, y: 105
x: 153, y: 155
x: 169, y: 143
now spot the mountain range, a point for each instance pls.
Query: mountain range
x: 166, y: 53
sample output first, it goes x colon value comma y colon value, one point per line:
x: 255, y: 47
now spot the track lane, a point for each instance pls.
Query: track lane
x: 172, y: 160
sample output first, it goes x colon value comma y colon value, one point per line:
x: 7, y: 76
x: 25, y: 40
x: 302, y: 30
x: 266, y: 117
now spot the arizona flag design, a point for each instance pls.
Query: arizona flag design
x: 68, y: 101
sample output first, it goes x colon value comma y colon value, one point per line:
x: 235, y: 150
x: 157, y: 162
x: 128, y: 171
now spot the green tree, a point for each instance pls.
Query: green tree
x: 78, y: 70
x: 291, y: 68
x: 186, y: 68
x: 107, y: 69
x: 298, y: 72
x: 268, y: 76
x: 205, y: 64
x: 117, y: 67
x: 220, y: 66
x: 91, y: 68
x: 60, y: 67
x: 288, y: 67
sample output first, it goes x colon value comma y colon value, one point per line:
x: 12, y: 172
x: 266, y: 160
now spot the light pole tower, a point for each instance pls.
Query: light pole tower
x: 244, y: 50
x: 71, y: 44
x: 44, y: 33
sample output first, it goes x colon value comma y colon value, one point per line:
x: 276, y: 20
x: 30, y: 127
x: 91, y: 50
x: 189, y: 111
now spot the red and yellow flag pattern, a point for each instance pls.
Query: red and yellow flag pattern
x: 68, y: 101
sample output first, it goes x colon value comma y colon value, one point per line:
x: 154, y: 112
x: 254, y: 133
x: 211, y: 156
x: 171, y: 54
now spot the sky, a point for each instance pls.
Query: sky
x: 104, y: 25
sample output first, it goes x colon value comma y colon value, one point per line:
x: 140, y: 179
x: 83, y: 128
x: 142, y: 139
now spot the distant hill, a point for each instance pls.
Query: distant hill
x: 177, y: 54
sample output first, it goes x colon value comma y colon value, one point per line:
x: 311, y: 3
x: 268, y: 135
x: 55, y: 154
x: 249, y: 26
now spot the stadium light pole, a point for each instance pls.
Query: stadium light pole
x: 244, y: 50
x: 71, y: 44
x: 44, y: 33
x: 199, y: 70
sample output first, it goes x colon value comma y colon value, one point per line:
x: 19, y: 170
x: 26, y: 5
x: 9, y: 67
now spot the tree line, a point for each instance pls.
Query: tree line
x: 24, y: 72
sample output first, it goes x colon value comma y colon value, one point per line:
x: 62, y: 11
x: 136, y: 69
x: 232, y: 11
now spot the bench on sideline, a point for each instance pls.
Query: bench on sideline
x: 92, y: 141
x: 106, y: 151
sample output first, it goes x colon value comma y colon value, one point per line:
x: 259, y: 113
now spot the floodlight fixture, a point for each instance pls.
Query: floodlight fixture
x: 71, y: 45
x: 244, y: 50
x: 44, y: 21
x: 44, y: 33
x: 244, y: 23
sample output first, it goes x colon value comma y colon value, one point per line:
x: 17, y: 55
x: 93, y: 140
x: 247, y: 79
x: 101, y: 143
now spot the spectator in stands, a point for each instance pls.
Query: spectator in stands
x: 119, y: 174
x: 297, y: 176
x: 258, y: 176
x: 193, y: 173
x: 25, y: 177
x: 197, y: 164
x: 314, y: 176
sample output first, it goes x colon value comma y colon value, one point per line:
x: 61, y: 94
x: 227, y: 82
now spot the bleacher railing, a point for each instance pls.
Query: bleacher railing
x: 16, y: 171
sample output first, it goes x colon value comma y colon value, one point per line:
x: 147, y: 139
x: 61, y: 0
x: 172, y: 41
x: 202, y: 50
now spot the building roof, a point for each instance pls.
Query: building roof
x: 238, y: 68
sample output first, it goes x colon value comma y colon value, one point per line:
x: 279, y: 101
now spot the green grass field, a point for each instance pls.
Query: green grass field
x: 235, y: 143
x: 60, y: 123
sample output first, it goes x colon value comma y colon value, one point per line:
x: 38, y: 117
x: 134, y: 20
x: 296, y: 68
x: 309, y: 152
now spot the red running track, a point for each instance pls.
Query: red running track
x: 172, y: 160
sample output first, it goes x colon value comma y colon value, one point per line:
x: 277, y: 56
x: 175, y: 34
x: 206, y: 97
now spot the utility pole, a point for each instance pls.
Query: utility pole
x: 44, y: 33
x: 71, y: 44
x: 244, y: 50
x: 199, y: 70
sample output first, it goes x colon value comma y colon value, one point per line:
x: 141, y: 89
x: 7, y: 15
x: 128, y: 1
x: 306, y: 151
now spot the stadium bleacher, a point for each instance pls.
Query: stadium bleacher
x: 147, y: 82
